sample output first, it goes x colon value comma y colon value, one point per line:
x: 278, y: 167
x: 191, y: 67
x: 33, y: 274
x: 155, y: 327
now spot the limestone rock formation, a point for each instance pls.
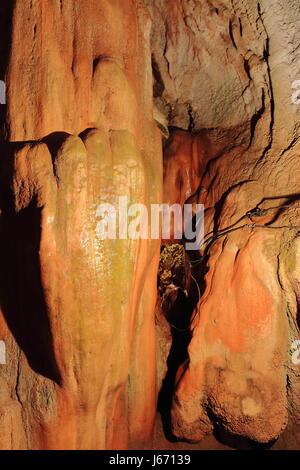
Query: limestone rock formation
x: 243, y: 155
x: 78, y: 312
x: 169, y: 101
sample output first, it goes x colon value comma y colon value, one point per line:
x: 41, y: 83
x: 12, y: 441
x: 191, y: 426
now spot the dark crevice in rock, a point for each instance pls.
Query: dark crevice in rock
x: 290, y: 146
x: 158, y: 84
x: 179, y: 296
x: 54, y: 141
x: 231, y: 34
x: 96, y: 61
x: 266, y: 55
x: 247, y: 68
x: 257, y: 117
x: 165, y: 51
x: 191, y: 119
x: 18, y: 379
x: 241, y: 27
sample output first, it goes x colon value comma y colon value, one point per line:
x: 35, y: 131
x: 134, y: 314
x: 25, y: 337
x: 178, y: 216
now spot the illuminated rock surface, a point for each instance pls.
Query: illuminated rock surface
x: 87, y: 343
x: 81, y: 356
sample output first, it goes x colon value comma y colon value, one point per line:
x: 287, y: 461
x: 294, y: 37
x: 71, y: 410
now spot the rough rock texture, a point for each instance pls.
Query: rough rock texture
x: 77, y: 312
x: 79, y: 316
x: 232, y: 65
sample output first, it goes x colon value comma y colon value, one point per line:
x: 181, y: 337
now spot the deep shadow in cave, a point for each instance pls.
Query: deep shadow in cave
x: 179, y: 315
x: 21, y: 294
x: 179, y: 310
x: 238, y: 442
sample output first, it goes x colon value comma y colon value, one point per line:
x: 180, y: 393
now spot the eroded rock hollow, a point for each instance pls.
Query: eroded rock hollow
x: 161, y: 101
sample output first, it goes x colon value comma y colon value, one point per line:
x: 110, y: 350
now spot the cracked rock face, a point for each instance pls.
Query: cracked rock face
x: 93, y: 96
x: 239, y: 377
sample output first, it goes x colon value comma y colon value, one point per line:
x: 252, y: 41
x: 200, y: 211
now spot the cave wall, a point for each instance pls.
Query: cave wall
x: 77, y: 312
x: 225, y: 71
x: 84, y: 360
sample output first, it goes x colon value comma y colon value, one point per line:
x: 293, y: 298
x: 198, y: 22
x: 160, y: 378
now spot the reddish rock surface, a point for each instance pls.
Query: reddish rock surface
x: 239, y: 377
x: 78, y: 313
x: 87, y: 343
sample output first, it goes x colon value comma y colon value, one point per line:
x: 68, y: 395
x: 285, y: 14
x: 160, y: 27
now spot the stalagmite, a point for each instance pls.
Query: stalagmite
x: 156, y: 101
